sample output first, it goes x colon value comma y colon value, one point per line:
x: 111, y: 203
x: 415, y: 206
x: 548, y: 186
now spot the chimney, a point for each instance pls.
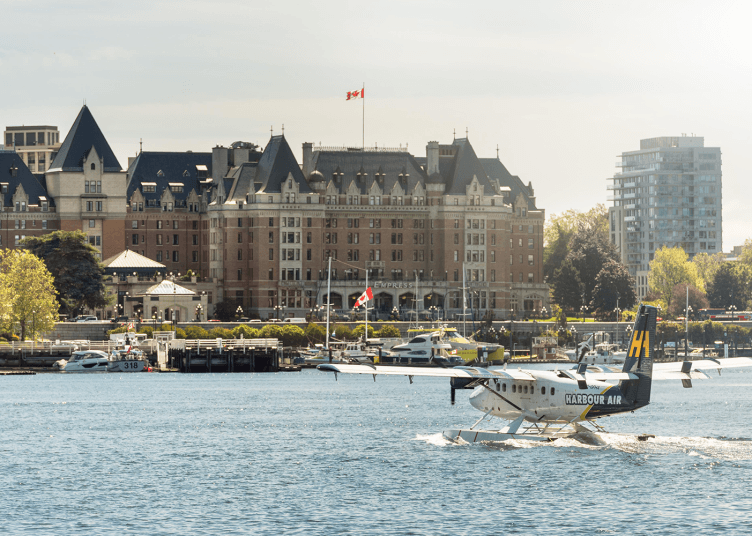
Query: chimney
x: 307, y: 159
x: 432, y: 157
x: 219, y: 162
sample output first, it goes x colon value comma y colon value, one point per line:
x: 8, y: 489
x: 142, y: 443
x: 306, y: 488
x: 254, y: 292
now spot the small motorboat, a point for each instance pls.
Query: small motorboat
x: 127, y: 361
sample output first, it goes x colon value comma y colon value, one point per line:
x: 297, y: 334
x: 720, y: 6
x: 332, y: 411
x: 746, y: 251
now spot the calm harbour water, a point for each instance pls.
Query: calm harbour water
x: 302, y: 453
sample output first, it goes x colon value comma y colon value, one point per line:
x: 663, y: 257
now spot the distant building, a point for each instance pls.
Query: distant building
x: 667, y: 194
x: 37, y: 145
x: 256, y: 228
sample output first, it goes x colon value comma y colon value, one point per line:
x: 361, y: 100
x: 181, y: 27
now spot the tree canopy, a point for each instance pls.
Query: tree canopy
x: 671, y: 267
x: 560, y: 229
x: 707, y: 265
x: 730, y: 286
x: 27, y: 294
x: 588, y: 253
x: 75, y: 267
x: 697, y: 300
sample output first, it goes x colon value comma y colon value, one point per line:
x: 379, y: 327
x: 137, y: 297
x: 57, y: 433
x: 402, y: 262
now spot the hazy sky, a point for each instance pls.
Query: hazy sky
x: 561, y: 87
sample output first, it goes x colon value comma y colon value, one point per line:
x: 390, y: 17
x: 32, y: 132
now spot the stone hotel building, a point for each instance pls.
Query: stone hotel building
x: 258, y: 227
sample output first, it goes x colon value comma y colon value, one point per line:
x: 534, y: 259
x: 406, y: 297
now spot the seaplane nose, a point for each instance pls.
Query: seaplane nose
x: 477, y: 397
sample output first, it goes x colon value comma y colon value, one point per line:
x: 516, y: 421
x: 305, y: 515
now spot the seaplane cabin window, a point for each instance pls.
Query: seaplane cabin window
x: 553, y: 390
x: 514, y: 388
x: 504, y: 387
x: 543, y: 390
x: 525, y: 389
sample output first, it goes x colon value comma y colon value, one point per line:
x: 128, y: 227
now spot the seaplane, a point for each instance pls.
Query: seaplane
x: 544, y: 405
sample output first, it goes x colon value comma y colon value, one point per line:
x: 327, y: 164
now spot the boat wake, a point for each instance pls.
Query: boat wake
x: 704, y: 448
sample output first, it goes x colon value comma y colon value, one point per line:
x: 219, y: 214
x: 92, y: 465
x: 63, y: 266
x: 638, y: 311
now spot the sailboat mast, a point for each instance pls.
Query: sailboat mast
x: 366, y: 307
x: 328, y: 299
x: 464, y: 303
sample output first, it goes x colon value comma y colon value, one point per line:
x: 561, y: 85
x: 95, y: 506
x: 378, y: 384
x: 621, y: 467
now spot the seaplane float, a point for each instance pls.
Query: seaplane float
x: 543, y: 405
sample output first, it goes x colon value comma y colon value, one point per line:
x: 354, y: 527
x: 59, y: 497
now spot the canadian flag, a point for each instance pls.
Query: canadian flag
x: 367, y: 295
x: 131, y: 326
x: 360, y: 94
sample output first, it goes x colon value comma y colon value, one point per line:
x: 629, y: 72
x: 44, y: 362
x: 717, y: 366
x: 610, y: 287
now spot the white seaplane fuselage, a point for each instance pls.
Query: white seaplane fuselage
x: 546, y: 397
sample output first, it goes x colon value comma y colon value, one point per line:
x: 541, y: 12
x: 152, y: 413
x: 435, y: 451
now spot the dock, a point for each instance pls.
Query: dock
x: 228, y: 355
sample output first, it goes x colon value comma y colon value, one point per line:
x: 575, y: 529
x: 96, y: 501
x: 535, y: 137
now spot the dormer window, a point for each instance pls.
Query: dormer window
x: 4, y: 187
x: 201, y: 172
x: 289, y: 184
x: 176, y: 187
x: 13, y: 171
x: 160, y: 173
x: 93, y: 166
x: 185, y: 173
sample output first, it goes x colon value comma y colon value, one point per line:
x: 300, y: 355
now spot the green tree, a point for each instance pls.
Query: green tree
x: 315, y: 333
x: 220, y: 333
x: 697, y: 300
x: 357, y: 332
x: 671, y: 267
x: 27, y: 294
x: 343, y: 332
x: 707, y: 265
x: 247, y: 331
x: 568, y: 290
x: 271, y: 331
x: 730, y: 286
x: 75, y: 267
x: 292, y: 335
x: 389, y: 331
x: 225, y: 310
x: 196, y: 332
x: 613, y: 285
x: 745, y: 257
x: 561, y: 229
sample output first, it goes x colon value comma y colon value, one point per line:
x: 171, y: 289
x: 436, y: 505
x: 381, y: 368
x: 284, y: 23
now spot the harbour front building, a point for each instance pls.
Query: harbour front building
x: 256, y: 228
x: 668, y: 193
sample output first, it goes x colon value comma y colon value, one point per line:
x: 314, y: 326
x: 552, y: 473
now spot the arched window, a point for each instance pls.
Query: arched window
x: 93, y: 166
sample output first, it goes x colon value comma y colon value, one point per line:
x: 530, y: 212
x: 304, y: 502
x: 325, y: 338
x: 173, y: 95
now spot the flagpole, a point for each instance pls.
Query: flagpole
x: 366, y: 306
x: 363, y: 98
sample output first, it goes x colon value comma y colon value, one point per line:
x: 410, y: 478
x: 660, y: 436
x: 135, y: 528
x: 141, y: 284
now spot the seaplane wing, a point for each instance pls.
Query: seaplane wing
x: 687, y: 370
x: 456, y: 372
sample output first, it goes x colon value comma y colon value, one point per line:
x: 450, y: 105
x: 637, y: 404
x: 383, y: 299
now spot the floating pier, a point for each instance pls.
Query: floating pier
x: 225, y: 355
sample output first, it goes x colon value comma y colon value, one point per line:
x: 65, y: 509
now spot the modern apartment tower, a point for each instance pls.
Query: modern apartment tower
x: 667, y: 194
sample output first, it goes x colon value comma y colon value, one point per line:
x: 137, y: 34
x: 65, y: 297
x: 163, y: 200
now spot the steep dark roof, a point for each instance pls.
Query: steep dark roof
x: 175, y: 167
x: 243, y: 179
x: 23, y: 177
x: 497, y: 170
x: 275, y: 164
x: 350, y: 163
x: 83, y: 135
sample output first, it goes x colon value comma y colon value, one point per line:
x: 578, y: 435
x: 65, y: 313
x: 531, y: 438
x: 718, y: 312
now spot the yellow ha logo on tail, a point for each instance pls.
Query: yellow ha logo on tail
x: 640, y: 341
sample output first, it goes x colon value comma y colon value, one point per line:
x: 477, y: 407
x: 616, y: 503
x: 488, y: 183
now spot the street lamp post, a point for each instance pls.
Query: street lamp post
x: 583, y: 310
x: 239, y: 312
x: 617, y: 311
x: 199, y: 309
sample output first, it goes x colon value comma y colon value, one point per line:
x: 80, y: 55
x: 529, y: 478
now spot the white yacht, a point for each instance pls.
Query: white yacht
x: 84, y: 361
x: 425, y: 349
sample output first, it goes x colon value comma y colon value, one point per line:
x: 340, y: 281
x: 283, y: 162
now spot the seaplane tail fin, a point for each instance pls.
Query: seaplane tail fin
x: 639, y: 360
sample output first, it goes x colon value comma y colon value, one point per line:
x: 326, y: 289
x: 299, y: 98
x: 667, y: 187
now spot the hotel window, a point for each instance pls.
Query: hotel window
x: 99, y: 206
x: 89, y: 206
x: 44, y: 224
x: 530, y: 260
x: 530, y: 277
x: 493, y: 256
x: 92, y: 223
x: 175, y: 256
x: 134, y: 239
x: 530, y: 243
